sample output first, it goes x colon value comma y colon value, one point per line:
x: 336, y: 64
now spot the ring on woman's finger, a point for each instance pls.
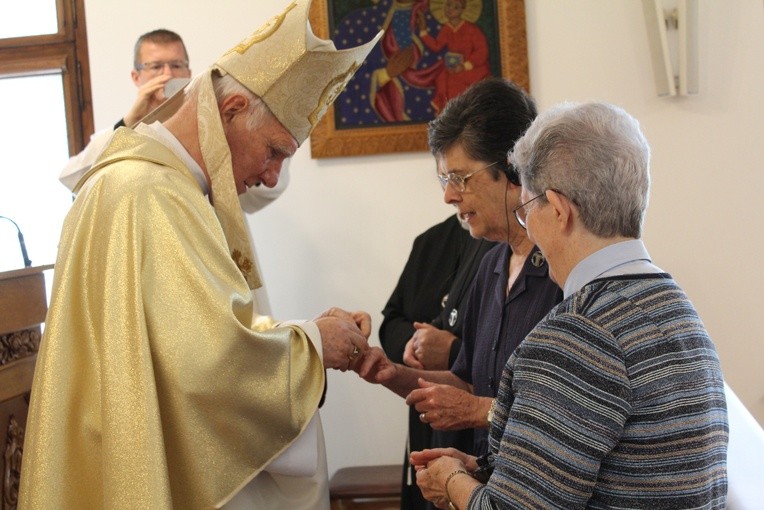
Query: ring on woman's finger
x: 353, y: 355
x: 422, y: 417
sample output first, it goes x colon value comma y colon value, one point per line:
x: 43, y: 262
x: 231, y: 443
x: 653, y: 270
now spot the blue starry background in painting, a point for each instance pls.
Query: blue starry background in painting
x: 353, y: 108
x: 355, y: 22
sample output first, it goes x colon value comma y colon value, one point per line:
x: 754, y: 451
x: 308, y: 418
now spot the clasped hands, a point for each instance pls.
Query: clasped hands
x: 433, y: 468
x: 428, y: 348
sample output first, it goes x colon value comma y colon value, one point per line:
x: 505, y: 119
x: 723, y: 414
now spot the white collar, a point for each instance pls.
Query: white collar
x: 161, y: 134
x: 625, y: 257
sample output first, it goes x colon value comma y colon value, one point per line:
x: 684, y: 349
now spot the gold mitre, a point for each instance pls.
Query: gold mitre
x: 294, y: 72
x: 297, y: 75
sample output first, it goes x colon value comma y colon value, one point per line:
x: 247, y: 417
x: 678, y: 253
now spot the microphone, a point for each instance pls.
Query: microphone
x: 23, y: 246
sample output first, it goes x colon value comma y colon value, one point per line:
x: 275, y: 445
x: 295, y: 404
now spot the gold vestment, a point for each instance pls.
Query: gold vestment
x: 152, y: 389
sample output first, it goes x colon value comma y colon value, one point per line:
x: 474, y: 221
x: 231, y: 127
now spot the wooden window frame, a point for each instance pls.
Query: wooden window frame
x: 64, y: 52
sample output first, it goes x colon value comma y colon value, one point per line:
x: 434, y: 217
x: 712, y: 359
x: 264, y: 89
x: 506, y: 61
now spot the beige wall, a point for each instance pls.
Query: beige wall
x: 705, y: 225
x: 342, y: 231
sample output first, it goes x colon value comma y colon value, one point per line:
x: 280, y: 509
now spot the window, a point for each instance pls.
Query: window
x: 47, y: 114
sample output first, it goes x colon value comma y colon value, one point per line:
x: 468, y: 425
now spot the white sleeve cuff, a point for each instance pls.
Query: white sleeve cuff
x: 311, y: 331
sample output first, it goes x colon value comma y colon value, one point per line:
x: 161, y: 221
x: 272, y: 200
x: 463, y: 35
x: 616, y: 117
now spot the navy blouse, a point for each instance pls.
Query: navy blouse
x: 495, y: 324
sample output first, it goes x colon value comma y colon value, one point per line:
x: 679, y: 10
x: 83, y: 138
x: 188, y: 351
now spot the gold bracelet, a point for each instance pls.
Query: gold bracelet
x: 448, y: 479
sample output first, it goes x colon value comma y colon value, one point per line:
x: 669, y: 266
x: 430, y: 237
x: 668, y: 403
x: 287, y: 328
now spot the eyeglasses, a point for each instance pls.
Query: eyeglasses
x: 158, y: 66
x: 521, y: 213
x: 459, y: 182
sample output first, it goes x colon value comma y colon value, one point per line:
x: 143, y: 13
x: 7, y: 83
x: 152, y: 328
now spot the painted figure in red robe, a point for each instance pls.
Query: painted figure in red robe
x: 466, y: 57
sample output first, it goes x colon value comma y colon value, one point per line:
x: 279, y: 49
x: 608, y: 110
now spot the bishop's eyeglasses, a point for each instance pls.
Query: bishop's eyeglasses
x: 459, y: 182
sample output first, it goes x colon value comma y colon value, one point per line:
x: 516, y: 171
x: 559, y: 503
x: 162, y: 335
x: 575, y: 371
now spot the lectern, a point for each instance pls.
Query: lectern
x: 22, y: 310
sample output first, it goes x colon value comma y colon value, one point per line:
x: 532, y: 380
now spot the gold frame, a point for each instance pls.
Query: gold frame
x: 328, y: 142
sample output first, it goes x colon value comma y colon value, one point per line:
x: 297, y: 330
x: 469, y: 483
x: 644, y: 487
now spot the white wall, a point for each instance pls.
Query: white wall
x: 342, y: 231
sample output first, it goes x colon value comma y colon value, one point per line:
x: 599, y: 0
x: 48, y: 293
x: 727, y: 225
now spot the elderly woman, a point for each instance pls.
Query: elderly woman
x: 616, y: 398
x: 512, y: 290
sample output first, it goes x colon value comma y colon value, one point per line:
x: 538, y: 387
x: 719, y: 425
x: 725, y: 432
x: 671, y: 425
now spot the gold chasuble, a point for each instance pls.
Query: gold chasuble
x: 153, y: 389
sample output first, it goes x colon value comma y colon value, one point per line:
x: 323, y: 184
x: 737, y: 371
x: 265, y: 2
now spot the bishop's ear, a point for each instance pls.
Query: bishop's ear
x: 233, y: 105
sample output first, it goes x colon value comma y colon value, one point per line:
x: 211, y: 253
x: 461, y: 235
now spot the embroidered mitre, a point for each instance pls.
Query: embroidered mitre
x: 296, y: 74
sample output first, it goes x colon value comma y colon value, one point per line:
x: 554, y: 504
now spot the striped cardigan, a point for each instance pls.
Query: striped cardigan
x: 615, y: 400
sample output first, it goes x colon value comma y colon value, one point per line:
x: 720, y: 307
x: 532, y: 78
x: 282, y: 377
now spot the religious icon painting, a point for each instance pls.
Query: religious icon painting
x: 432, y: 50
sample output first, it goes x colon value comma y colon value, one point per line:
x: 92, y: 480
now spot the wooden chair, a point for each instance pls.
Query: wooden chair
x: 366, y: 488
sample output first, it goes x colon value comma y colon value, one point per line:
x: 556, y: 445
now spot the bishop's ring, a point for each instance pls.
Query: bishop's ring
x: 354, y: 354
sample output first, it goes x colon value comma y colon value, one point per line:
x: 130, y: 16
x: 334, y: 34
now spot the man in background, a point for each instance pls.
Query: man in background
x: 159, y: 56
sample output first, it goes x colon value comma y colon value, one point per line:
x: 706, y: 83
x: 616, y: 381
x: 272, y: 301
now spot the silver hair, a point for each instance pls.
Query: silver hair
x: 224, y: 86
x: 596, y: 155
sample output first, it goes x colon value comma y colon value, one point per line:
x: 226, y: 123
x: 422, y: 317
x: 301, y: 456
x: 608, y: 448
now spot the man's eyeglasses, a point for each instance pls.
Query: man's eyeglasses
x: 521, y: 213
x: 459, y: 182
x: 158, y: 66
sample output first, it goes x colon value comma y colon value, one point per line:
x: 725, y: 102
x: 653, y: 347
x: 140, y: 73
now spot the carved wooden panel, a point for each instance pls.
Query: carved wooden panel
x: 14, y: 445
x: 19, y: 344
